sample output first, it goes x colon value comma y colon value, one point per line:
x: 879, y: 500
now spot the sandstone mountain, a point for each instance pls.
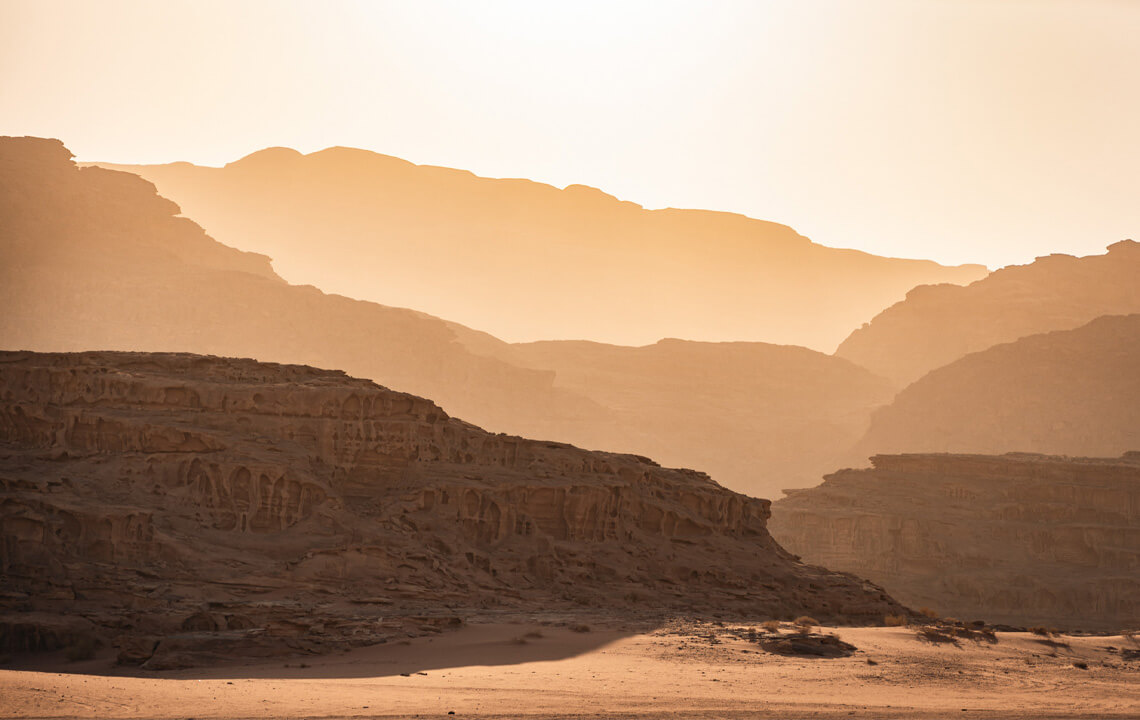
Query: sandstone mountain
x: 1072, y: 392
x: 94, y: 259
x: 527, y: 261
x: 937, y: 324
x: 758, y: 417
x: 1020, y: 539
x: 188, y: 508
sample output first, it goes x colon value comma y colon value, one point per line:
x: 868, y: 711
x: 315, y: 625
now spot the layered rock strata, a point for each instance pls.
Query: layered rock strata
x: 1022, y: 539
x: 183, y: 503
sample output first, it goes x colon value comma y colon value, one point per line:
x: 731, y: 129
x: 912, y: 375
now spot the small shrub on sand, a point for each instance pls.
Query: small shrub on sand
x: 934, y: 635
x: 805, y: 623
x: 895, y: 620
x: 932, y: 614
x: 1040, y: 630
x: 1080, y: 665
x: 772, y: 626
x: 580, y: 628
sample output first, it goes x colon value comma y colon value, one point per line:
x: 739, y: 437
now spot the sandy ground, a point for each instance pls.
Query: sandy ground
x: 681, y: 670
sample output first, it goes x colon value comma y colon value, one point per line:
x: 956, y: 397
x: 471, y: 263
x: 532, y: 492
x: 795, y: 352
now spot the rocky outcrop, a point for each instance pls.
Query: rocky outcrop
x: 1073, y: 392
x: 937, y: 324
x: 527, y: 261
x: 1022, y: 539
x: 185, y: 504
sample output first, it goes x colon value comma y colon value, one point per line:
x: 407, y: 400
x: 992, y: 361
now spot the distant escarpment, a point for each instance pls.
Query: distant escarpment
x: 185, y: 507
x: 1073, y: 392
x: 757, y: 417
x: 1016, y: 538
x: 527, y: 261
x: 937, y: 324
x: 95, y: 259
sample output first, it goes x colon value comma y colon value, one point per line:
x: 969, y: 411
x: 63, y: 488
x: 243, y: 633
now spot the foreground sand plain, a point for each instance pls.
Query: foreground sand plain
x: 537, y: 668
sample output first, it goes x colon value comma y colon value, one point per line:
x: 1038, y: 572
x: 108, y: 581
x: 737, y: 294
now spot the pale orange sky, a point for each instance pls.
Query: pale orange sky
x: 959, y: 130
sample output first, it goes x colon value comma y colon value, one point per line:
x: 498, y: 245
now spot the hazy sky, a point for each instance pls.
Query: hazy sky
x: 960, y: 130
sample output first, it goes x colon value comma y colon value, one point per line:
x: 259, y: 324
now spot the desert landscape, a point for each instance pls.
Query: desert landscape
x: 550, y: 360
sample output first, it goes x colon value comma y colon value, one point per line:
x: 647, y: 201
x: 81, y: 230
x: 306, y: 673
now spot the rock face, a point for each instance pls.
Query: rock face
x: 191, y: 507
x: 94, y: 259
x: 937, y: 324
x: 1020, y: 539
x: 527, y: 261
x: 1073, y: 392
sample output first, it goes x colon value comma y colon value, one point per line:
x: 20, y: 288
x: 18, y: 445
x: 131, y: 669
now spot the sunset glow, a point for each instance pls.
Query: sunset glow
x: 962, y: 131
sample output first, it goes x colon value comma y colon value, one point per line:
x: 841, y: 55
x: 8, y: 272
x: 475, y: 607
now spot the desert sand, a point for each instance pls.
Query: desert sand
x: 533, y: 666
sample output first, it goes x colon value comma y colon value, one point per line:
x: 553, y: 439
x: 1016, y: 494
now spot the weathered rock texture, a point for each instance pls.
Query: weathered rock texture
x: 1073, y: 392
x: 94, y: 259
x: 937, y: 324
x: 189, y: 504
x: 1021, y: 539
x: 527, y: 261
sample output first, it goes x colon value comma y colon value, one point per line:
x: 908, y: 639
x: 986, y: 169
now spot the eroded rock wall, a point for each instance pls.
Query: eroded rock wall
x: 1016, y: 538
x: 163, y: 494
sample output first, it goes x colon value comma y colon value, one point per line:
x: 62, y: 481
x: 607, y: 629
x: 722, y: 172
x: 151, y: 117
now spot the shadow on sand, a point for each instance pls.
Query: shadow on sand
x: 491, y: 644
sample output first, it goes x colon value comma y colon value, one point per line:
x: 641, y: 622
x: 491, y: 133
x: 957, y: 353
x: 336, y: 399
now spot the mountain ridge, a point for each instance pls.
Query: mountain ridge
x: 936, y: 324
x: 526, y: 260
x: 106, y: 264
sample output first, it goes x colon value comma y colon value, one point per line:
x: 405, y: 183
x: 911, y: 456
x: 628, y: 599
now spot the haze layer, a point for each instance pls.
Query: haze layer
x: 527, y: 261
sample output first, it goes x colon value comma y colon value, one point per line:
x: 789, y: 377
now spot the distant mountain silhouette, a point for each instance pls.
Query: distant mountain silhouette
x: 528, y: 261
x: 93, y: 259
x: 758, y: 416
x: 938, y: 324
x: 1071, y: 392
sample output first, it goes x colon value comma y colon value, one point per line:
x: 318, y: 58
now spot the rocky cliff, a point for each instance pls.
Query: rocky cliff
x: 937, y: 324
x: 527, y: 261
x: 1073, y: 392
x: 1021, y: 539
x: 184, y: 506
